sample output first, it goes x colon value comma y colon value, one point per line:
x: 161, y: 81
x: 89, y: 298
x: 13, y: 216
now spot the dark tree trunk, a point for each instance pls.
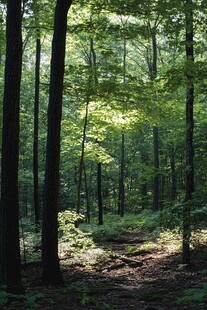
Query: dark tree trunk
x: 155, y: 203
x: 99, y: 190
x: 152, y: 66
x: 50, y: 260
x: 122, y: 189
x: 121, y: 198
x: 81, y: 159
x: 189, y: 133
x: 10, y: 267
x: 35, y: 142
x: 92, y: 64
x: 153, y: 74
x: 144, y: 194
x: 173, y: 176
x: 144, y: 185
x: 88, y: 218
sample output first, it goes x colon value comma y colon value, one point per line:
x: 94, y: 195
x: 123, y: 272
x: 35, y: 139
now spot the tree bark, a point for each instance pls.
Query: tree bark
x: 121, y: 199
x: 81, y: 160
x: 189, y: 133
x: 173, y: 175
x: 35, y: 142
x: 88, y: 216
x: 99, y: 190
x: 92, y: 64
x: 122, y: 189
x: 50, y: 260
x: 155, y: 203
x: 10, y: 267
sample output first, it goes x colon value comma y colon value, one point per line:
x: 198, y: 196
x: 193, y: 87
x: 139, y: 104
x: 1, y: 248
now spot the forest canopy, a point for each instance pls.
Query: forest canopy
x: 110, y: 114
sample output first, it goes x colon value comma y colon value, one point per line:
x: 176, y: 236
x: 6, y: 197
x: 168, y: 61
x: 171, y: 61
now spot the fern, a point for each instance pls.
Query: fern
x: 193, y: 295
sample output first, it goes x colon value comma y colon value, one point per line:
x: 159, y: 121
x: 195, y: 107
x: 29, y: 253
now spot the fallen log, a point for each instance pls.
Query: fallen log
x: 139, y: 252
x: 125, y: 262
x: 131, y: 261
x: 112, y: 267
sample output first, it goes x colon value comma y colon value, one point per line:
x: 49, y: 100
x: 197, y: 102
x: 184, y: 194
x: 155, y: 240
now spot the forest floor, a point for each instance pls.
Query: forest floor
x: 132, y: 277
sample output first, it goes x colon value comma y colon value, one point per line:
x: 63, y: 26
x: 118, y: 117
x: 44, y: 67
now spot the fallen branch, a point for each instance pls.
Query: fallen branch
x: 125, y: 262
x: 139, y: 252
x: 112, y: 267
x: 129, y: 261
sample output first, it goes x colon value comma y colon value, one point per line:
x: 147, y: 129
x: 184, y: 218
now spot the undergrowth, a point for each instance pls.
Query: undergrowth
x: 193, y: 295
x: 114, y: 225
x: 82, y: 245
x: 13, y: 301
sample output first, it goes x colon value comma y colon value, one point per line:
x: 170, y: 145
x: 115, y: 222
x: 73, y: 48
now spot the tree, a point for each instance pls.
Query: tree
x: 50, y: 260
x: 36, y: 130
x: 152, y: 65
x: 99, y: 193
x: 10, y: 264
x: 189, y: 131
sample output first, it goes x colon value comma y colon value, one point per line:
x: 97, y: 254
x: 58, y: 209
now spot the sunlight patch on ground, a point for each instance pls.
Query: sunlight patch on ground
x: 87, y: 257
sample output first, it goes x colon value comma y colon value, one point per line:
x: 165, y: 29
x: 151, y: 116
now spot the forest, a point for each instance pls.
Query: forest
x: 103, y: 109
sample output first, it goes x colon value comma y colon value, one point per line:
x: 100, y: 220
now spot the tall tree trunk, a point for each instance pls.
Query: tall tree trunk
x: 155, y: 203
x: 88, y: 217
x: 189, y: 132
x: 36, y: 124
x: 50, y: 260
x: 121, y: 199
x: 122, y: 189
x: 92, y: 64
x: 153, y: 74
x: 81, y: 160
x: 173, y: 174
x: 10, y: 267
x: 99, y: 191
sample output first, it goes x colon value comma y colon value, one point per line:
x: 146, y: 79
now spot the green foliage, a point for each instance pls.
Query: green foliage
x: 71, y: 239
x: 171, y: 216
x: 203, y: 272
x: 77, y: 244
x: 114, y: 225
x: 30, y: 240
x: 82, y: 292
x: 13, y: 301
x: 170, y: 240
x: 69, y: 233
x: 31, y: 300
x: 194, y: 295
x: 66, y: 221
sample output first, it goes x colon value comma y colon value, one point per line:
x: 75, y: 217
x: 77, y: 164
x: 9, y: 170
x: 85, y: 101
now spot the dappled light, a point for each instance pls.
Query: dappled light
x: 103, y: 174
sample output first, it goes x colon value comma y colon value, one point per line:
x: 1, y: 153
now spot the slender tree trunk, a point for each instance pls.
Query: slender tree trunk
x: 144, y: 194
x: 36, y: 125
x: 10, y: 267
x: 88, y: 219
x: 173, y: 176
x: 50, y: 260
x: 155, y: 203
x: 92, y: 64
x: 121, y: 199
x: 81, y: 159
x: 144, y: 184
x: 99, y: 166
x: 99, y: 190
x: 122, y: 189
x: 189, y: 133
x: 153, y: 73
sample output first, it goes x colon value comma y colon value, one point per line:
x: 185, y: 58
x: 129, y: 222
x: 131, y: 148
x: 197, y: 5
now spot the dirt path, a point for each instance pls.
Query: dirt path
x: 155, y: 283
